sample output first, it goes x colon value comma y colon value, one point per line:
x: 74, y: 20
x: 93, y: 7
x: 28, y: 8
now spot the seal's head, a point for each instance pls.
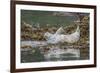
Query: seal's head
x: 47, y: 35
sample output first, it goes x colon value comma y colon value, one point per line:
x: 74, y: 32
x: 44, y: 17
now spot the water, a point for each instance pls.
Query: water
x: 40, y: 51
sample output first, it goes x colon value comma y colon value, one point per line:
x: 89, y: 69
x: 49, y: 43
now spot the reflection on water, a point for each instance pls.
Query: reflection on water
x: 61, y: 54
x: 34, y: 51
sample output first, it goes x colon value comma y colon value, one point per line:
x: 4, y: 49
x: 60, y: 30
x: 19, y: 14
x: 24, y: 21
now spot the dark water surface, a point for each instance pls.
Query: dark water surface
x: 40, y: 51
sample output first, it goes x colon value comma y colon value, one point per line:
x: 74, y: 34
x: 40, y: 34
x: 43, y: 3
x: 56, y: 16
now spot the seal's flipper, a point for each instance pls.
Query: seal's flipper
x: 60, y: 31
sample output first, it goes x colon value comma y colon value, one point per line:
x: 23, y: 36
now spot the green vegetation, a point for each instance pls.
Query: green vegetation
x: 46, y: 18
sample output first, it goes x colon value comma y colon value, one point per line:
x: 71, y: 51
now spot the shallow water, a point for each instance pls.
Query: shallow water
x: 40, y: 51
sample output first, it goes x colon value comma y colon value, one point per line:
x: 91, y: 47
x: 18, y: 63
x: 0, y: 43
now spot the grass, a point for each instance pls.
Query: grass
x: 45, y: 17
